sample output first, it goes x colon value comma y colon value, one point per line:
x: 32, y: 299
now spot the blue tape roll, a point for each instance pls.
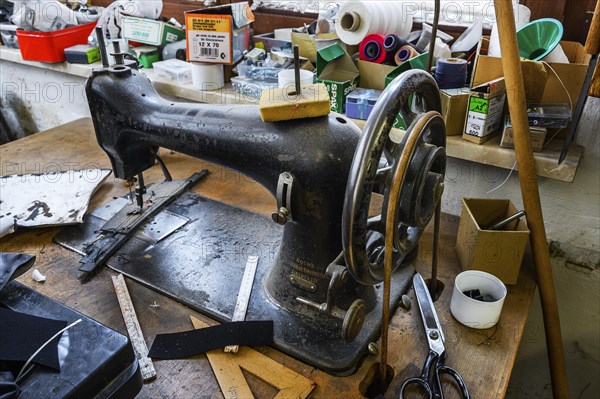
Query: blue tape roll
x: 451, y: 73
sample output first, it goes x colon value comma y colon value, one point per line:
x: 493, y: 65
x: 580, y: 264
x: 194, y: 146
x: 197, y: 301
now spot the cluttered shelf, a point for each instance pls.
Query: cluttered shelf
x: 489, y: 153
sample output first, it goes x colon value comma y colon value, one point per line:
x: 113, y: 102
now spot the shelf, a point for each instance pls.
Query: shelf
x: 489, y: 153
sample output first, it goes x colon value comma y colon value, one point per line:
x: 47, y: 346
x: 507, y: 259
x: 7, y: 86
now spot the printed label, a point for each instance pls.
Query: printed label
x: 171, y: 37
x: 144, y: 31
x: 480, y: 105
x: 209, y: 38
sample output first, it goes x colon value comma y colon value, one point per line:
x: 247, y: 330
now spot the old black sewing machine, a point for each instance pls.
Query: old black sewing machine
x: 321, y: 257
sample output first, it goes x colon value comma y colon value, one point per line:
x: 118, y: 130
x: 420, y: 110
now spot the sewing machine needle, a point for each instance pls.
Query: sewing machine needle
x: 140, y: 190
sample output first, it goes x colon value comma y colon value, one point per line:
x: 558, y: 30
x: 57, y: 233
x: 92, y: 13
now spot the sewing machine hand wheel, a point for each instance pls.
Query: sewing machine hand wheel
x: 414, y: 94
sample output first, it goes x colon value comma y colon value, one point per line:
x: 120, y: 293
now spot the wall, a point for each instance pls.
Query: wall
x: 45, y: 99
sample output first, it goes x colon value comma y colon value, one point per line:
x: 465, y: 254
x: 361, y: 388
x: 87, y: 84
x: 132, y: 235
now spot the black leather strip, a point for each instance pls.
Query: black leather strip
x: 196, y: 342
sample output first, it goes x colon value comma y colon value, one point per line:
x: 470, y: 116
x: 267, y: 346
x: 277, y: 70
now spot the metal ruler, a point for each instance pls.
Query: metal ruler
x: 241, y: 305
x: 133, y: 328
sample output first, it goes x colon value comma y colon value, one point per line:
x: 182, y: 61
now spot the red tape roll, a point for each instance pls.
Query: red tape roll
x: 371, y: 49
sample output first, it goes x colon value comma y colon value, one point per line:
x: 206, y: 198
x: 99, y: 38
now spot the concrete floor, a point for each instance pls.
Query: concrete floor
x: 44, y: 99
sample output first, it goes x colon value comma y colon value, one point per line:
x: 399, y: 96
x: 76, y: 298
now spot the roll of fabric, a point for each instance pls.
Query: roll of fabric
x: 451, y: 73
x: 404, y: 54
x: 371, y: 49
x: 359, y: 18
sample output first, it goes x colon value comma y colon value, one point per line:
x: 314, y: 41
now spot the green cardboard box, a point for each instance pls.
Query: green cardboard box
x: 418, y: 62
x: 337, y: 71
x: 146, y: 56
x: 149, y: 31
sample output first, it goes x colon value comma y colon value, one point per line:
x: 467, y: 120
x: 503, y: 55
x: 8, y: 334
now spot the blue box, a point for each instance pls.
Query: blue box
x: 360, y: 103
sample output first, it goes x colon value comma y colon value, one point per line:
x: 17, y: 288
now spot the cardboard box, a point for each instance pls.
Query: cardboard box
x: 337, y: 71
x: 537, y: 134
x: 218, y: 35
x: 82, y: 54
x: 308, y: 45
x: 149, y: 31
x: 373, y: 75
x: 499, y: 252
x: 542, y: 85
x: 455, y: 103
x: 484, y: 112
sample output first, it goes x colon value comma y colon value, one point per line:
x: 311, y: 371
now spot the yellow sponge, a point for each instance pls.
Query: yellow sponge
x: 283, y: 104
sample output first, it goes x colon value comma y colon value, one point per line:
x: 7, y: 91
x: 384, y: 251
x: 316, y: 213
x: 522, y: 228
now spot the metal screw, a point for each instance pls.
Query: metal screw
x: 373, y: 349
x: 434, y: 335
x: 405, y: 302
x: 280, y: 216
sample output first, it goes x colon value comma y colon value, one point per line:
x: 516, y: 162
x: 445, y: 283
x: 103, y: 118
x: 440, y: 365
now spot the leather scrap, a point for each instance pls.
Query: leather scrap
x: 195, y: 342
x: 13, y: 265
x: 22, y: 334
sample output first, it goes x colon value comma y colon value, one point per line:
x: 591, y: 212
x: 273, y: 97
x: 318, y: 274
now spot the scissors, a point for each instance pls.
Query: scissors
x: 434, y: 367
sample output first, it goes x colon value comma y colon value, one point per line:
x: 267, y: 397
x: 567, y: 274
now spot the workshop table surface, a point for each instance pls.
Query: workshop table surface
x: 485, y: 358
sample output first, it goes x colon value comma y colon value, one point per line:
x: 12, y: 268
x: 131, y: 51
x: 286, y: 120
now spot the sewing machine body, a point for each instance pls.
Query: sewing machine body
x: 322, y: 315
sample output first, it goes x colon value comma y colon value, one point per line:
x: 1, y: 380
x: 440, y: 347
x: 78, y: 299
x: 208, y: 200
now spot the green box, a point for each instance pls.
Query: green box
x: 149, y: 31
x: 418, y: 62
x: 146, y: 56
x: 337, y: 71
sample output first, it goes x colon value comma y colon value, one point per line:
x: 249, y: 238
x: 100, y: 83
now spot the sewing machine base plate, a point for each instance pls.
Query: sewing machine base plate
x: 201, y: 265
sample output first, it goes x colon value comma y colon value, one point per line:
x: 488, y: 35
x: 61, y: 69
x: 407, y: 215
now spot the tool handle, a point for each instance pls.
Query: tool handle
x: 592, y: 44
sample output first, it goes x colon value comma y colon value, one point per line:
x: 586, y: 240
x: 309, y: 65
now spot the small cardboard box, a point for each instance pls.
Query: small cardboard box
x: 484, y: 112
x: 499, y: 252
x: 454, y: 109
x: 218, y: 35
x: 537, y: 134
x: 82, y: 54
x: 149, y: 31
x: 373, y: 75
x: 308, y: 45
x: 339, y: 74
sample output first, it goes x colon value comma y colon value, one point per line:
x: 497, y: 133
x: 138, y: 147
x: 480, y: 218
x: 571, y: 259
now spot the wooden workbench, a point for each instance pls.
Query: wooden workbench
x: 484, y: 357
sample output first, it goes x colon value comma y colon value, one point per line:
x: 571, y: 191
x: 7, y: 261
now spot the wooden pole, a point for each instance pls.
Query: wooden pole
x: 531, y: 197
x: 592, y: 44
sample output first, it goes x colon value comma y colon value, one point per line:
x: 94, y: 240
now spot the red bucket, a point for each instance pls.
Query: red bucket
x: 50, y: 46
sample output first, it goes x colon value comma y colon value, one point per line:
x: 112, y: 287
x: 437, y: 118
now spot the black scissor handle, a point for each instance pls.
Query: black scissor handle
x: 424, y: 384
x: 457, y: 379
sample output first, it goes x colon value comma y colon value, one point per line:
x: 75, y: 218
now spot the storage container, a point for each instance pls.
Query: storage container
x: 8, y: 32
x: 50, y: 46
x: 498, y: 252
x: 174, y: 69
x: 551, y: 116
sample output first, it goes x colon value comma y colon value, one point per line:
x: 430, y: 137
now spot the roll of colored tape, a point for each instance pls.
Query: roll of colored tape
x: 371, y: 49
x: 404, y: 54
x: 451, y: 73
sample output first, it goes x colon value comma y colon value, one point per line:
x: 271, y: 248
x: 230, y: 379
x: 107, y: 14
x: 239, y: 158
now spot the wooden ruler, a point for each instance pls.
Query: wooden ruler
x: 243, y: 298
x: 228, y: 370
x: 133, y: 328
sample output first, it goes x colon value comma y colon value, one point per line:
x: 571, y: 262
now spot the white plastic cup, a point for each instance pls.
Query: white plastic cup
x: 471, y: 312
x: 287, y: 78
